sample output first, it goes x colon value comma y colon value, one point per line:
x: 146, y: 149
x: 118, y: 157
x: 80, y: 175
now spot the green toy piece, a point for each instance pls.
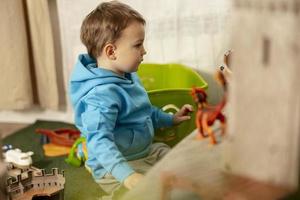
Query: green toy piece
x: 73, y: 159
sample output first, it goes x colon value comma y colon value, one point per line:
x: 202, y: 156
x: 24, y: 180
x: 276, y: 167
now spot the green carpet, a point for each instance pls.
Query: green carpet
x: 79, y: 183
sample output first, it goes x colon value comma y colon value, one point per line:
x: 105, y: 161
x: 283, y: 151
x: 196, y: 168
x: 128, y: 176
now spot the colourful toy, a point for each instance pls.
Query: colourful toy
x: 208, y: 114
x: 63, y: 137
x: 53, y: 150
x: 74, y: 159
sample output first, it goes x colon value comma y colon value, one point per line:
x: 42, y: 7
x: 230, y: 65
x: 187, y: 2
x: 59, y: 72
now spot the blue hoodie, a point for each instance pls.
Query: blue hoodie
x: 115, y: 116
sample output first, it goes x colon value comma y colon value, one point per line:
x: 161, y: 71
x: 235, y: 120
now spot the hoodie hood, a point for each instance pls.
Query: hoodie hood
x: 86, y: 75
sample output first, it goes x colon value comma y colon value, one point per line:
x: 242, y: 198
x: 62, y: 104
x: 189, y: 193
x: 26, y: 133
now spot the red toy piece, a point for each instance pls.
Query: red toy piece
x: 63, y: 137
x: 208, y: 114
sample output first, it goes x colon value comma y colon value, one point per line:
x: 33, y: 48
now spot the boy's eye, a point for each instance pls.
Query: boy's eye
x: 138, y: 45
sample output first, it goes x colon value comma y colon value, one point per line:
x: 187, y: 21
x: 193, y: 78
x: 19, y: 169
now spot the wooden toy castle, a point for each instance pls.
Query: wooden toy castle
x: 50, y: 186
x: 264, y: 106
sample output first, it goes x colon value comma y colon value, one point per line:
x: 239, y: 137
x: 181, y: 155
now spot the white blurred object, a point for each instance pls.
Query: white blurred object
x: 264, y: 98
x: 18, y: 158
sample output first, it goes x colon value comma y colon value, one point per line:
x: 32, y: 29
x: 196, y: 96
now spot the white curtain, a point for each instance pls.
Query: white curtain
x: 192, y: 32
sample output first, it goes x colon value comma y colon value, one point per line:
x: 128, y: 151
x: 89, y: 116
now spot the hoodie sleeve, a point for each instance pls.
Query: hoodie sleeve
x: 99, y: 121
x: 160, y: 118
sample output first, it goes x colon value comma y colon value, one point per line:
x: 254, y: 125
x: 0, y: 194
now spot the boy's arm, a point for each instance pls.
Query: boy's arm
x: 160, y: 118
x: 99, y: 121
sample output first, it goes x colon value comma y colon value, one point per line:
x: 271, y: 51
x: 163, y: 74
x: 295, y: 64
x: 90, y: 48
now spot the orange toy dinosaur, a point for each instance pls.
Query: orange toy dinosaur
x: 208, y: 114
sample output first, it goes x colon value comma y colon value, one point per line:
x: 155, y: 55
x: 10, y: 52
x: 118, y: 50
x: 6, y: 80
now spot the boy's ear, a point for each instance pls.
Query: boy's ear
x: 109, y: 50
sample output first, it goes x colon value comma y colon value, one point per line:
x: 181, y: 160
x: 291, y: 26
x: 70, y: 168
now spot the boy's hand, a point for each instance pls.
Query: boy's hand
x: 132, y: 180
x: 182, y: 114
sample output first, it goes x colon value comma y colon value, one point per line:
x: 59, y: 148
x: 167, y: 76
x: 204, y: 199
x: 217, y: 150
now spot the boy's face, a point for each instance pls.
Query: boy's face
x: 130, y: 50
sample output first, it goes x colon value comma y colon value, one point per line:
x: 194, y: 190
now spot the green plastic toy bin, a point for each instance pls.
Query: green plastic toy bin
x: 169, y: 88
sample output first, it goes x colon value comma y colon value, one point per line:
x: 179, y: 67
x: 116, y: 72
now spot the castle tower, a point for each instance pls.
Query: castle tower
x: 264, y: 107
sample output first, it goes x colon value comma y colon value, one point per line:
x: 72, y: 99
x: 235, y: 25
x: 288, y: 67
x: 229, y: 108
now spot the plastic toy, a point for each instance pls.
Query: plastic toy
x: 74, y: 159
x: 53, y: 150
x: 63, y: 137
x: 18, y: 158
x: 208, y: 114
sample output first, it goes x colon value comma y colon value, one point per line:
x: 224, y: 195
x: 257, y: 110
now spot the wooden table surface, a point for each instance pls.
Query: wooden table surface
x: 197, y: 169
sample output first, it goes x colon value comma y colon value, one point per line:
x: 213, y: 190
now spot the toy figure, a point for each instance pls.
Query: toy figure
x: 208, y: 114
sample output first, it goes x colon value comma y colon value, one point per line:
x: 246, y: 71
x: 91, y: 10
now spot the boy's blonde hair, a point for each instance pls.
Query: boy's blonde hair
x: 105, y: 25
